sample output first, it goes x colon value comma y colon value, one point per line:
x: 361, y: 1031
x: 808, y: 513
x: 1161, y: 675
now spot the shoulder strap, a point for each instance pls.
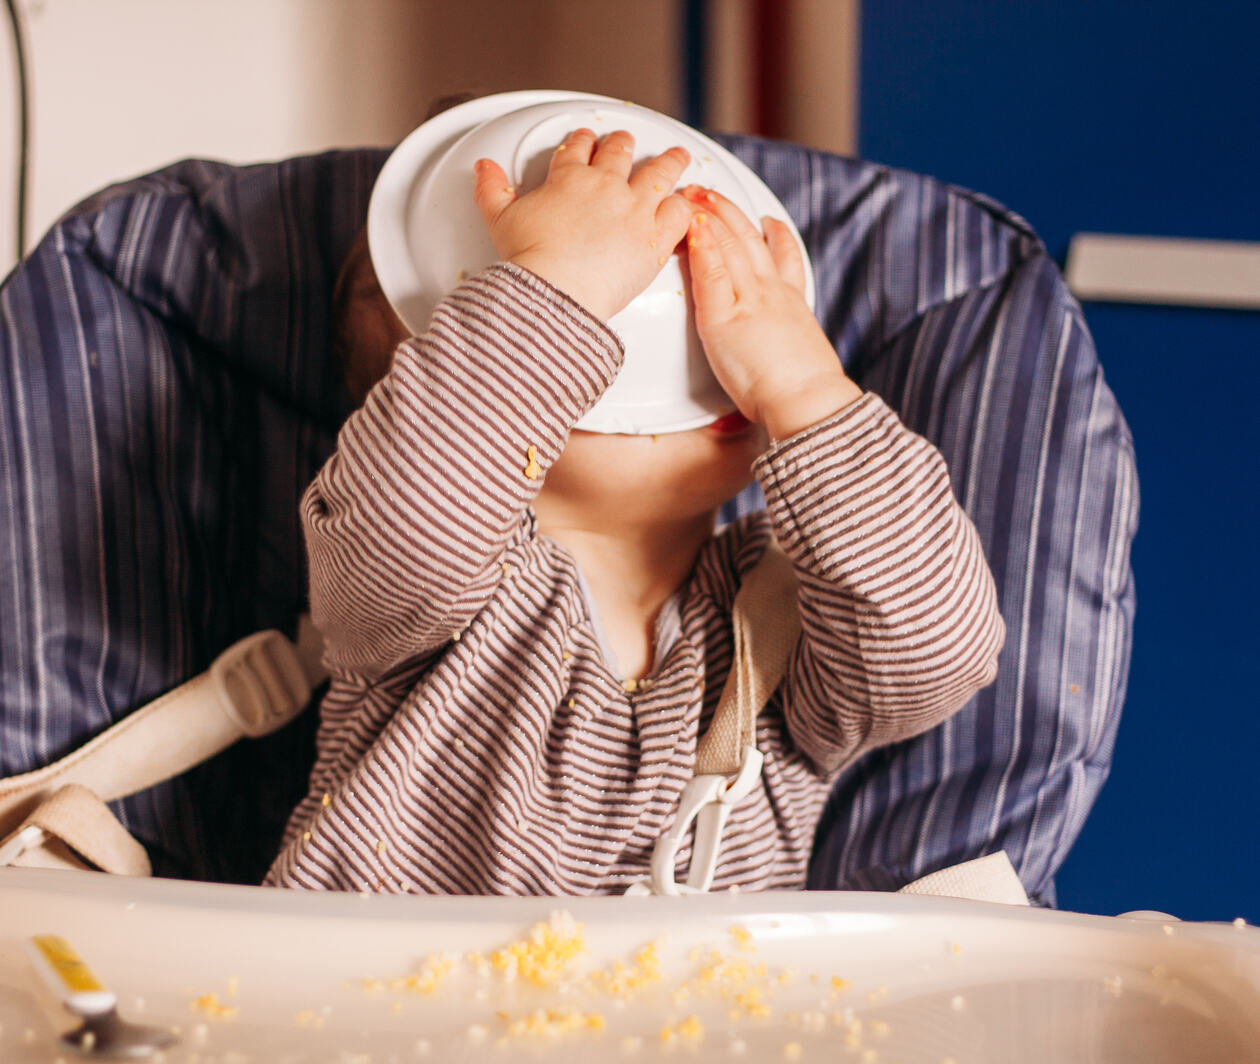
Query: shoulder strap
x: 255, y: 686
x: 767, y: 623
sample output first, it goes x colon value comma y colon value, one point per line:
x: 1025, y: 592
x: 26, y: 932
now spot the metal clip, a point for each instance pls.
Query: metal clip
x: 707, y: 801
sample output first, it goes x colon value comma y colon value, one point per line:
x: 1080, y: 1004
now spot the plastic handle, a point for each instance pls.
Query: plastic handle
x: 69, y: 977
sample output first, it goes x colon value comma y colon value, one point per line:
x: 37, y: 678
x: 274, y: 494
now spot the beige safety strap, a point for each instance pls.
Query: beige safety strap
x: 74, y: 829
x: 767, y: 623
x: 255, y: 686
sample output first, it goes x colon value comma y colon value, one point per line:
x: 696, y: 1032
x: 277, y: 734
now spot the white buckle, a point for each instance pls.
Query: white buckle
x: 19, y: 842
x: 707, y: 800
x: 260, y: 682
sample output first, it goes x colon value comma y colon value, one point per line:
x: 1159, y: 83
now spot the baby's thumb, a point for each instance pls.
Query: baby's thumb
x: 491, y: 192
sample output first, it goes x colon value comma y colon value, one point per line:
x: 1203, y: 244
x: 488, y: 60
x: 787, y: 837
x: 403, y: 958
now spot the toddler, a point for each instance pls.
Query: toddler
x: 528, y: 626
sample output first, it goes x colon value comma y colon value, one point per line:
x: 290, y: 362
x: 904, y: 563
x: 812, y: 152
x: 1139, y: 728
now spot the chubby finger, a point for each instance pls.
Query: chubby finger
x: 735, y: 251
x: 491, y: 191
x: 574, y: 150
x: 657, y: 177
x: 736, y: 221
x: 615, y: 153
x: 712, y: 287
x: 673, y: 219
x: 785, y: 252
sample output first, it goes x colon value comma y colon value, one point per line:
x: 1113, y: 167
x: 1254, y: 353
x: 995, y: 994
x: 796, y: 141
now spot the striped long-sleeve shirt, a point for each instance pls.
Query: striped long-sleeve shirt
x: 474, y: 738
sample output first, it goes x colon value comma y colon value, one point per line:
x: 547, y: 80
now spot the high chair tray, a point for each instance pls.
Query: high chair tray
x: 254, y: 975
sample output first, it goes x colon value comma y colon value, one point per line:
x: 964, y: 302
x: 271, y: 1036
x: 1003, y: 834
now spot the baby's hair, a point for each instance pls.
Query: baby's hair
x: 365, y: 329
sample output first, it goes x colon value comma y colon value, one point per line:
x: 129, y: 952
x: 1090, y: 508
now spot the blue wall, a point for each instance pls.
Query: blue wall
x: 1130, y: 118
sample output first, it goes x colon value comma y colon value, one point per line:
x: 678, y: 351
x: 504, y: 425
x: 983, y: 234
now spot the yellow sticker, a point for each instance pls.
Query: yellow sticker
x: 69, y: 966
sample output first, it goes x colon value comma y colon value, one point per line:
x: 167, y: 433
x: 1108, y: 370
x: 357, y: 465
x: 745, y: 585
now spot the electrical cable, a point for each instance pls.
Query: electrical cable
x: 15, y: 22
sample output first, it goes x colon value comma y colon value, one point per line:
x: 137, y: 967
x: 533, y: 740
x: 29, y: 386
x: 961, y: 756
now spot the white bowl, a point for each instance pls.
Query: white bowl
x: 426, y: 235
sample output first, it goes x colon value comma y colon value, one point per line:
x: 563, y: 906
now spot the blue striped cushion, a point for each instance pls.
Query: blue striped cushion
x: 167, y: 391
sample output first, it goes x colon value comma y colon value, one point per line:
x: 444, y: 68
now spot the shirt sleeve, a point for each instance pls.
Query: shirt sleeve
x: 433, y: 477
x: 899, y: 614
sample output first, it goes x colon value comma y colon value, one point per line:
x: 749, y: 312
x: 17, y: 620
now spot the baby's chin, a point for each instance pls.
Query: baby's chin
x: 695, y: 470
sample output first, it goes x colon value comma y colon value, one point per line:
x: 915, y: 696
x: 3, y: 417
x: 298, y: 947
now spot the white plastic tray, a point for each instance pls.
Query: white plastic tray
x: 929, y: 980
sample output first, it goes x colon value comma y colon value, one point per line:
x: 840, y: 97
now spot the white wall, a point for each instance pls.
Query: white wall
x: 120, y: 87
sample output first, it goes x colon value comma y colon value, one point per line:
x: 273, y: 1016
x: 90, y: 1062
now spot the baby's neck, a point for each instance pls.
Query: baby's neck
x: 631, y: 570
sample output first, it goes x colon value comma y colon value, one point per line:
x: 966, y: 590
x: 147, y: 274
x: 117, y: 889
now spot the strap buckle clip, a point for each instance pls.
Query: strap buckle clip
x: 260, y: 682
x: 707, y: 802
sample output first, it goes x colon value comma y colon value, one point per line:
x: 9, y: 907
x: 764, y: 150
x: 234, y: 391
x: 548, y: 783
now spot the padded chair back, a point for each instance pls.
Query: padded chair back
x: 168, y: 391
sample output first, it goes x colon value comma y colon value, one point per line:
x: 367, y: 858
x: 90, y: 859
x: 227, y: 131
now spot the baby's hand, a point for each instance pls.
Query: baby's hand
x: 591, y: 229
x: 761, y: 339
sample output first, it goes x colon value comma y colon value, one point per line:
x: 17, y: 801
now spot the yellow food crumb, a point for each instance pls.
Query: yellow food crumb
x: 792, y: 1051
x: 630, y: 686
x: 743, y: 938
x: 545, y: 954
x: 532, y: 469
x: 955, y: 948
x: 880, y: 1029
x: 838, y: 985
x: 553, y: 1022
x: 427, y: 978
x: 691, y: 1029
x: 662, y: 259
x: 326, y: 801
x: 210, y: 1005
x: 306, y: 836
x: 380, y: 846
x: 621, y: 980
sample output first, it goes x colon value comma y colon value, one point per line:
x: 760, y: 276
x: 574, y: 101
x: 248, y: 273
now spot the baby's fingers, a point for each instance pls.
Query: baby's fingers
x: 712, y: 286
x: 491, y: 192
x: 785, y: 252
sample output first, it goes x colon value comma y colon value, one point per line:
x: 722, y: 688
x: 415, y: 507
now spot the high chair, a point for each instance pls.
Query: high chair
x: 168, y: 391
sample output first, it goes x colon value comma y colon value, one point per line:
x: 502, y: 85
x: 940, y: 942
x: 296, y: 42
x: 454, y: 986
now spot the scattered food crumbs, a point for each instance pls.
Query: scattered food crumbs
x: 326, y: 801
x: 743, y: 938
x: 87, y: 1043
x: 1239, y: 922
x: 455, y: 636
x: 958, y: 1003
x: 880, y: 1029
x: 565, y: 655
x: 380, y: 847
x: 462, y: 275
x: 522, y: 828
x: 955, y: 948
x: 459, y: 742
x: 691, y: 1029
x: 656, y: 188
x: 306, y: 836
x: 545, y: 954
x: 662, y: 259
x: 210, y: 1005
x: 792, y: 1051
x: 507, y: 568
x: 532, y: 469
x: 1075, y: 689
x: 838, y: 985
x: 373, y: 986
x: 1114, y: 985
x: 1168, y: 929
x: 630, y: 686
x: 572, y: 703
